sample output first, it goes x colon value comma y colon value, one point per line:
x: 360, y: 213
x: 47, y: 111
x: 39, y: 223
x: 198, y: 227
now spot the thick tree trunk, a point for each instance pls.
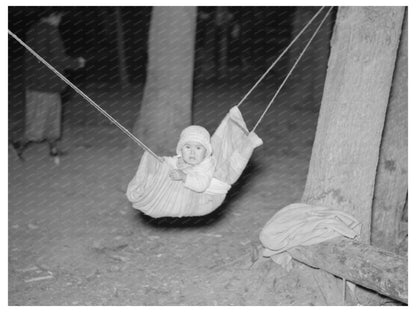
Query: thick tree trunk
x: 166, y: 106
x: 362, y: 264
x: 345, y: 153
x: 120, y: 49
x: 391, y: 182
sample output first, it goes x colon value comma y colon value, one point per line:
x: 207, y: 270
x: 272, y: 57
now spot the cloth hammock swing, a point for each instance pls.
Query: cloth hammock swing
x: 155, y: 194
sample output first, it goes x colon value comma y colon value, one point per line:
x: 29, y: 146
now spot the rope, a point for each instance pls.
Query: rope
x: 291, y: 70
x: 102, y: 111
x: 280, y: 56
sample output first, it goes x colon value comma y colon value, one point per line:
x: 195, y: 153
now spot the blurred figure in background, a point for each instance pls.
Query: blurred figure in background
x: 44, y: 87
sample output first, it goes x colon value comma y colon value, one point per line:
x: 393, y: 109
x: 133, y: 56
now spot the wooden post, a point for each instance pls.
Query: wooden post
x: 345, y: 154
x: 391, y: 181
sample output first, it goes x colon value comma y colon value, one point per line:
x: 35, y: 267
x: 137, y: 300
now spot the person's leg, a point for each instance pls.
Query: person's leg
x: 35, y: 116
x: 53, y: 129
x: 35, y: 121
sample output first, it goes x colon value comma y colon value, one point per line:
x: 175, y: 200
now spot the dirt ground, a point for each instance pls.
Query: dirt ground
x: 75, y: 240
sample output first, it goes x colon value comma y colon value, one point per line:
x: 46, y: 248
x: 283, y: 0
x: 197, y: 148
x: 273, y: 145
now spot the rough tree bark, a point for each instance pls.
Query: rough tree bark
x: 344, y: 158
x: 391, y: 181
x: 167, y: 99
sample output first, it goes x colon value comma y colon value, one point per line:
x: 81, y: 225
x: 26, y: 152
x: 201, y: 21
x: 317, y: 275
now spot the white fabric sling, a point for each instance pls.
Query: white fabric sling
x: 155, y: 194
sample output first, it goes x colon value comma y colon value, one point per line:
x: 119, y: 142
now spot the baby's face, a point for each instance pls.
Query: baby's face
x: 193, y: 153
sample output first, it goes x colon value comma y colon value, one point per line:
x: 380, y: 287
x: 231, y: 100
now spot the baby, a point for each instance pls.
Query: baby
x: 193, y: 165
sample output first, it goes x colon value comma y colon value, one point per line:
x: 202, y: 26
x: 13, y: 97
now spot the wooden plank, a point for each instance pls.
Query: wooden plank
x: 361, y: 264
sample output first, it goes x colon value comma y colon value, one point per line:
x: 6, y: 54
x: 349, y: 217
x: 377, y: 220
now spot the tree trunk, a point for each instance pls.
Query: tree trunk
x: 391, y: 182
x: 124, y: 80
x: 167, y: 99
x: 344, y: 158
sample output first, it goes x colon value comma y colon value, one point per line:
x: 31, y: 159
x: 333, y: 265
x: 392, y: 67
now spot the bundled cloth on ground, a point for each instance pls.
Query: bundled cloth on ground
x: 303, y: 225
x: 155, y: 194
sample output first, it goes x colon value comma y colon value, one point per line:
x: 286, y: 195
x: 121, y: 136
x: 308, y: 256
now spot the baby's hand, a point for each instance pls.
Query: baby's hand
x: 177, y: 175
x: 180, y: 162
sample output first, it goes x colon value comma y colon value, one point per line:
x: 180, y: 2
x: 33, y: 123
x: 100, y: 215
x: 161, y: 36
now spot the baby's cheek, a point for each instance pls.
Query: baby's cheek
x: 202, y: 155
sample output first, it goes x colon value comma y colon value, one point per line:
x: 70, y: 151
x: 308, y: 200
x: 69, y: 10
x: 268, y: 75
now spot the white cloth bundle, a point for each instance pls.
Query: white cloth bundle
x: 303, y: 225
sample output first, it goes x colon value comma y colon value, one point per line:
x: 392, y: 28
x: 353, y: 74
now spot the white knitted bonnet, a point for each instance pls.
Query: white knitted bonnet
x: 195, y: 134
